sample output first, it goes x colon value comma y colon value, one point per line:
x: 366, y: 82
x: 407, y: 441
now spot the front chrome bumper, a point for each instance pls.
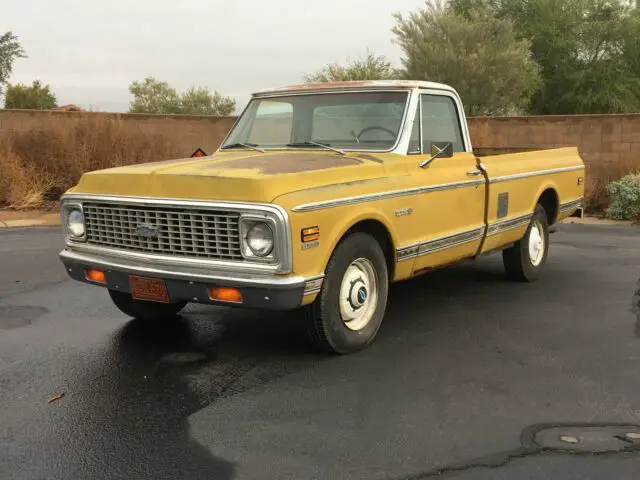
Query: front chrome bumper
x: 189, y: 283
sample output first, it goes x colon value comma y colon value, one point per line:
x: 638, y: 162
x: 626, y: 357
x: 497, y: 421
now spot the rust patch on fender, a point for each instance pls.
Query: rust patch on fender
x: 286, y: 163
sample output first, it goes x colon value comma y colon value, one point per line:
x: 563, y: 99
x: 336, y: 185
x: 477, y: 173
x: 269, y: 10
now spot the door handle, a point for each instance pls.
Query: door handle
x: 472, y: 173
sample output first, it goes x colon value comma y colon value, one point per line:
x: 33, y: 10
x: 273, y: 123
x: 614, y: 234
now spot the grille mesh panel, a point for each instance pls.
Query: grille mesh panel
x: 181, y: 231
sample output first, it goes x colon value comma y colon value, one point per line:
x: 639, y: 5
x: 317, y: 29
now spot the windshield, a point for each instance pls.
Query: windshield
x: 357, y: 121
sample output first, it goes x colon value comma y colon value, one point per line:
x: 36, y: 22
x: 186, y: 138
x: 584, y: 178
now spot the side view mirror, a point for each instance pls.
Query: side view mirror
x: 438, y: 150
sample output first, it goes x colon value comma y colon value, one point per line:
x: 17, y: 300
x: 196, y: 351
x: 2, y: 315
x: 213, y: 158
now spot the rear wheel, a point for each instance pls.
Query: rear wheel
x: 143, y: 309
x: 526, y: 259
x: 349, y: 309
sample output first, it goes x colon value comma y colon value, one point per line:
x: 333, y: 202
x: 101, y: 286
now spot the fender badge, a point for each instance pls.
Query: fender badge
x: 403, y: 212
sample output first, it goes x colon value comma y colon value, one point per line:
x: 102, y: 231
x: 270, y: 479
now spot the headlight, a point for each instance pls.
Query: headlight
x: 260, y: 239
x: 75, y: 224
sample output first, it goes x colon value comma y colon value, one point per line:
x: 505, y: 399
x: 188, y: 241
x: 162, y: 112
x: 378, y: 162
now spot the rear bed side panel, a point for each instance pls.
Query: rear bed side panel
x: 516, y: 183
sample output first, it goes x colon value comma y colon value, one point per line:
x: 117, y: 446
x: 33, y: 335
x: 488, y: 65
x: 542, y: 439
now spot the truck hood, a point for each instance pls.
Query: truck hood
x: 235, y: 176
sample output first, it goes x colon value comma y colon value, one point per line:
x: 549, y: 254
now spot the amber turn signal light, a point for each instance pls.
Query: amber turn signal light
x: 95, y: 275
x: 225, y: 294
x: 310, y: 234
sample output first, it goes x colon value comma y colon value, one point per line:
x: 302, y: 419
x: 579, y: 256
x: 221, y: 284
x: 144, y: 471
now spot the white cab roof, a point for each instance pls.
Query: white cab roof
x: 356, y: 85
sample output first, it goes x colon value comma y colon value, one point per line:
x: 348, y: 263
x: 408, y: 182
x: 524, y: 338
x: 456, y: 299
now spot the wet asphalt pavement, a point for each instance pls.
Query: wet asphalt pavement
x: 464, y: 373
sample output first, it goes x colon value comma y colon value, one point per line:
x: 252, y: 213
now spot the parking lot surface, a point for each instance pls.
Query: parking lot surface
x: 470, y: 377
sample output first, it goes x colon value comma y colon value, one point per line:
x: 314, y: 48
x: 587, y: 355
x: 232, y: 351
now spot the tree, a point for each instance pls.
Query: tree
x: 478, y: 54
x: 154, y: 96
x: 371, y: 67
x: 200, y: 101
x: 10, y: 49
x: 35, y: 97
x: 587, y: 51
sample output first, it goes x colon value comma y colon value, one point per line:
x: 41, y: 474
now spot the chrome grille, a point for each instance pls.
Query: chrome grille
x: 180, y: 231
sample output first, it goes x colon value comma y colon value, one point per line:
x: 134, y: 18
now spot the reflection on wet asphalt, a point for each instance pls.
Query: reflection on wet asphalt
x: 138, y: 395
x: 464, y: 361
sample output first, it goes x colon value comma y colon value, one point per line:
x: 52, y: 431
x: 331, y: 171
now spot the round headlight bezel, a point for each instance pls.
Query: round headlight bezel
x: 76, y: 230
x: 254, y: 229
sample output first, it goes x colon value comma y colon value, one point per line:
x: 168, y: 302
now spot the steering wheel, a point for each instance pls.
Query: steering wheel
x: 357, y: 137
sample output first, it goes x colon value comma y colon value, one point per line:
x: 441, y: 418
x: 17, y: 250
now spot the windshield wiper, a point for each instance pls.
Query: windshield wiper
x: 251, y: 146
x: 311, y: 142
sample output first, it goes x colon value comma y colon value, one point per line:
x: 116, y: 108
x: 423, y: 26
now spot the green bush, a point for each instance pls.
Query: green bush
x: 625, y: 198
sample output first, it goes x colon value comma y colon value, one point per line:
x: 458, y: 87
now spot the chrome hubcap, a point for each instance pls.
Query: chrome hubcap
x: 358, y: 294
x: 536, y: 244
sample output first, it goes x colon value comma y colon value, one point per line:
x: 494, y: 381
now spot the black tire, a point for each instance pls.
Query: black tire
x: 517, y: 260
x: 144, y: 310
x: 323, y: 321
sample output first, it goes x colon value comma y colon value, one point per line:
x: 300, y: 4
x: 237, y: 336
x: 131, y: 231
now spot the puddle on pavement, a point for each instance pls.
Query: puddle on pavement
x: 19, y: 316
x: 203, y: 355
x: 177, y: 342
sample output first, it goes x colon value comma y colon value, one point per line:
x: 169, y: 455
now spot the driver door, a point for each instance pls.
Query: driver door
x: 450, y: 212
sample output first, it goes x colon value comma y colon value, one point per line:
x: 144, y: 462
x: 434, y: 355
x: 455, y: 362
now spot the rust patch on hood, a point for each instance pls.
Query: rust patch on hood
x: 286, y: 163
x: 366, y: 156
x: 167, y: 162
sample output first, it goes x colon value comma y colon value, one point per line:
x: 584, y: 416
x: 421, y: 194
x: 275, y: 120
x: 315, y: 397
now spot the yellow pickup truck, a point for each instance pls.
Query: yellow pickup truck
x: 320, y: 196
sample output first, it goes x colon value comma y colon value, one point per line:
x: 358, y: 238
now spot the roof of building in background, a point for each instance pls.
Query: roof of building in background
x: 68, y: 108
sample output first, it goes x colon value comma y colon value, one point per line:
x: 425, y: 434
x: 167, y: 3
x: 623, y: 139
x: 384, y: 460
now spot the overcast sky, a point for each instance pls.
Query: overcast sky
x: 90, y: 51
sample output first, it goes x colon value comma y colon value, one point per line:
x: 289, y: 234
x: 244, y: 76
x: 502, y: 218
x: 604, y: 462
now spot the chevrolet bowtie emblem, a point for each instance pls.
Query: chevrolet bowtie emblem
x: 146, y: 231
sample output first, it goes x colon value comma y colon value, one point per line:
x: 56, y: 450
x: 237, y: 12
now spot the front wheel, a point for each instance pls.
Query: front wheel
x: 349, y: 309
x: 142, y: 309
x: 525, y: 260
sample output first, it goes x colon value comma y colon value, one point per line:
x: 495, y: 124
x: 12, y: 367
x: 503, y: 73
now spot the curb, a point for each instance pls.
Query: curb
x: 595, y: 221
x: 28, y: 219
x: 22, y: 223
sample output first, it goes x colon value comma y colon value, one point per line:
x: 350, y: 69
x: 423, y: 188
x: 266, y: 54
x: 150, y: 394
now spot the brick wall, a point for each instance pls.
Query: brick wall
x: 603, y: 140
x: 187, y: 132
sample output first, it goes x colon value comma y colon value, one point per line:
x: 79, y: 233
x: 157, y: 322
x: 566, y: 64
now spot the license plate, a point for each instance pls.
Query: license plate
x: 149, y: 289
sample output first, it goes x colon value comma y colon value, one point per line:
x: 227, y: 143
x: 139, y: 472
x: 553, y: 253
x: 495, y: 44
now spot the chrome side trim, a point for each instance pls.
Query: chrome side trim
x: 309, y: 207
x: 313, y: 284
x: 438, y: 244
x: 205, y: 275
x: 284, y: 245
x: 506, y: 178
x: 441, y: 243
x: 570, y: 205
x: 509, y: 224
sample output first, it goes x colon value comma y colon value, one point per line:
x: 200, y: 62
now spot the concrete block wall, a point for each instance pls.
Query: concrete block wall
x: 603, y: 140
x: 187, y: 132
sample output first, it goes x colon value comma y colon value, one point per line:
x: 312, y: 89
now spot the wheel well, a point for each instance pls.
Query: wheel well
x: 378, y: 231
x: 549, y: 201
